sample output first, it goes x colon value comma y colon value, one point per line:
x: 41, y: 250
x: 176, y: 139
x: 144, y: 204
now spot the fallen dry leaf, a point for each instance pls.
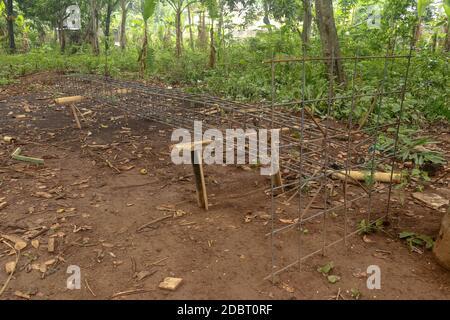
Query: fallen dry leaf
x: 22, y: 295
x: 287, y: 287
x: 10, y: 267
x: 35, y: 244
x: 19, y: 243
x: 42, y: 194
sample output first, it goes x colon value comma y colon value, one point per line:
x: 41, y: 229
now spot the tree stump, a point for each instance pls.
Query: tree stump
x: 442, y: 246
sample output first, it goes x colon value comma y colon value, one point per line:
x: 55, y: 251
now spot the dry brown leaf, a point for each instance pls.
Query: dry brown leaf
x: 10, y: 267
x: 22, y: 295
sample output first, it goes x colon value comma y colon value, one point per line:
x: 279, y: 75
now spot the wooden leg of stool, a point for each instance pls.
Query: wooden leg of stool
x: 202, y: 196
x: 278, y: 182
x: 77, y: 120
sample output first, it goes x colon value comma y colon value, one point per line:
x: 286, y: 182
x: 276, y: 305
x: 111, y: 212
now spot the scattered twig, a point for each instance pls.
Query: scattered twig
x: 2, y: 290
x: 130, y: 292
x: 145, y: 226
x: 89, y: 288
x: 158, y: 262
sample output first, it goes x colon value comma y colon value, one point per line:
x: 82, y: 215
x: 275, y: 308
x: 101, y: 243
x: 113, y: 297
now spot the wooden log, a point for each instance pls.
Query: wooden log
x: 363, y: 175
x: 69, y: 100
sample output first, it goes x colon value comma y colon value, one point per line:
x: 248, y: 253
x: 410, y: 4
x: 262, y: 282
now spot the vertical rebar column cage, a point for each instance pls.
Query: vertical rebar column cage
x: 333, y: 168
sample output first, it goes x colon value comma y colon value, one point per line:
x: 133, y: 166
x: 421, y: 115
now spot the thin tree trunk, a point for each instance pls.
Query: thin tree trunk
x: 434, y: 42
x: 94, y: 27
x: 329, y: 37
x: 202, y: 36
x: 307, y: 22
x: 447, y: 38
x: 191, y: 34
x: 123, y: 23
x: 10, y: 21
x: 144, y: 51
x: 62, y: 36
x: 212, y: 54
x: 178, y: 33
x: 418, y: 33
x: 109, y: 10
x: 220, y: 32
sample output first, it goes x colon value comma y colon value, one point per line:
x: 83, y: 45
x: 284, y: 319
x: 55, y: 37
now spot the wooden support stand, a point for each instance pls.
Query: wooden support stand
x: 70, y: 101
x: 197, y: 165
x: 200, y: 185
x: 278, y: 182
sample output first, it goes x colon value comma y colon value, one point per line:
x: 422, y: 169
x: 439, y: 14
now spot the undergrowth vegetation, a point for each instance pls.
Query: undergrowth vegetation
x: 241, y: 75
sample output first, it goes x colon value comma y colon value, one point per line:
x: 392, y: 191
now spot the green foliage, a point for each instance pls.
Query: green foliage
x: 356, y: 294
x: 326, y: 269
x: 366, y: 227
x: 414, y: 240
x: 121, y: 64
x: 149, y: 8
x: 411, y: 148
x: 421, y: 6
x: 446, y: 4
x: 240, y: 73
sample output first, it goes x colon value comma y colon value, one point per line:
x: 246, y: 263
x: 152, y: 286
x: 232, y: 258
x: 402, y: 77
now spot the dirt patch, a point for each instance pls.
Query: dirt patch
x: 93, y: 213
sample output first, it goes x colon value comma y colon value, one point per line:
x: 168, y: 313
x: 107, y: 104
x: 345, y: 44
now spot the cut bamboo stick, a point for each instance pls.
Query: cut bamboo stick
x: 363, y: 175
x: 17, y: 156
x: 69, y: 100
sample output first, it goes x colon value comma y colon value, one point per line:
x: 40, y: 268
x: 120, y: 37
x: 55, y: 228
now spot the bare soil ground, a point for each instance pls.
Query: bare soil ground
x: 94, y: 212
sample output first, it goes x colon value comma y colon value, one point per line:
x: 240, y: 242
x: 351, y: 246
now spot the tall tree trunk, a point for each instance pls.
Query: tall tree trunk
x: 109, y: 10
x: 191, y: 34
x: 447, y: 38
x: 212, y: 53
x: 202, y: 34
x: 10, y: 21
x: 220, y: 31
x: 123, y: 24
x: 418, y: 33
x: 178, y: 33
x: 434, y: 42
x: 62, y: 36
x: 329, y: 37
x: 144, y: 51
x: 307, y: 22
x: 94, y: 28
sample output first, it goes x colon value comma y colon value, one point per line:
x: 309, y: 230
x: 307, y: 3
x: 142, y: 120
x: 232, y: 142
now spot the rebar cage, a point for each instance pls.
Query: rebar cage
x: 330, y: 150
x: 323, y: 140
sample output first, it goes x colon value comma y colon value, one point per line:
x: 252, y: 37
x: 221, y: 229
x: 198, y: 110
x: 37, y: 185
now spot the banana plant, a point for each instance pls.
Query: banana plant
x: 148, y: 9
x: 422, y: 6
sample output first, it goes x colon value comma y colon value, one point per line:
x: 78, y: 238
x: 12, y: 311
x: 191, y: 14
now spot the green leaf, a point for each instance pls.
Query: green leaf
x: 326, y: 268
x: 356, y: 294
x: 421, y: 6
x: 406, y: 234
x: 333, y: 279
x: 447, y: 7
x: 149, y: 8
